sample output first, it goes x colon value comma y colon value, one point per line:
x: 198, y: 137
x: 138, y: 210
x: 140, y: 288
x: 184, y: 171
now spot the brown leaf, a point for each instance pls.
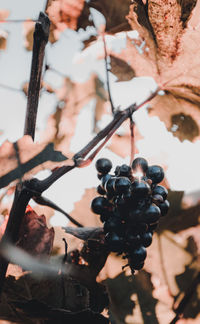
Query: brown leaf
x: 27, y: 158
x: 64, y: 14
x: 34, y: 236
x: 85, y: 233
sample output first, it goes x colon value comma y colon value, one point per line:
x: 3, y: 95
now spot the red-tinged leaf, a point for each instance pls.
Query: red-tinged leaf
x: 34, y: 236
x: 25, y: 158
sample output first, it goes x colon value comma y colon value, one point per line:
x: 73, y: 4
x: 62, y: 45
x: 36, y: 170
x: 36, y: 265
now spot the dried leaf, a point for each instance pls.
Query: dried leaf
x: 32, y: 157
x: 34, y: 236
x: 28, y: 30
x: 64, y: 14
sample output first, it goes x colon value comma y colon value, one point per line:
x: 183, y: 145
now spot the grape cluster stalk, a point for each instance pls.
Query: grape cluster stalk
x: 130, y: 204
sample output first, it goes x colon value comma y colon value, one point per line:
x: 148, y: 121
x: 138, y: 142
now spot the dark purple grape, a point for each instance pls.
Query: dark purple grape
x: 152, y: 227
x: 164, y: 207
x: 135, y: 266
x: 99, y: 204
x: 135, y: 215
x: 104, y: 179
x: 115, y: 242
x: 131, y: 238
x: 140, y: 189
x: 112, y: 224
x: 110, y: 186
x: 124, y: 171
x: 122, y: 185
x: 100, y: 190
x: 103, y: 165
x: 140, y: 164
x: 138, y: 255
x: 160, y: 190
x: 155, y: 173
x: 157, y: 199
x: 146, y: 239
x: 152, y: 214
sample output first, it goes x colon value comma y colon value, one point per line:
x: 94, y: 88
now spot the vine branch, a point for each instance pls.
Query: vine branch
x: 41, y: 35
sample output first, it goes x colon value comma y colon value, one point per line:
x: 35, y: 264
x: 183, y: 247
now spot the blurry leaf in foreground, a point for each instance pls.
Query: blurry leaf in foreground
x: 3, y: 39
x: 20, y: 158
x: 4, y: 14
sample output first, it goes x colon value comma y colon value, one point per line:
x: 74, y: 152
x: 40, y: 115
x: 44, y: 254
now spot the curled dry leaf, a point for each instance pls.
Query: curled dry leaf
x: 25, y: 158
x: 34, y: 236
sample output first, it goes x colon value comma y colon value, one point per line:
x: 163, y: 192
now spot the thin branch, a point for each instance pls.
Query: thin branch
x: 107, y: 74
x: 46, y: 202
x: 132, y: 128
x: 16, y: 20
x: 21, y: 199
x: 41, y: 35
x: 41, y: 185
x: 5, y: 86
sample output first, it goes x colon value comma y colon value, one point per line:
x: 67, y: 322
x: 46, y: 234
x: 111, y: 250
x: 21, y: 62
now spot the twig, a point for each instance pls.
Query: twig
x: 107, y: 74
x: 46, y: 202
x: 183, y: 303
x: 16, y: 20
x: 132, y: 127
x: 41, y: 185
x: 41, y: 35
x: 5, y: 86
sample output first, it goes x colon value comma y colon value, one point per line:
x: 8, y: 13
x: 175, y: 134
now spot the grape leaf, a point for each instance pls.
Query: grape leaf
x: 34, y: 236
x: 167, y: 53
x: 64, y: 14
x: 25, y: 158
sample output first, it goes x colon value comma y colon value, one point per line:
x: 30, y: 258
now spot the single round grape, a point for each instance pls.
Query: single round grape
x: 155, y: 173
x: 157, y: 199
x: 115, y: 242
x: 124, y: 170
x: 122, y: 185
x: 152, y: 214
x: 135, y: 215
x: 164, y: 207
x: 139, y: 254
x: 100, y: 190
x: 103, y: 165
x: 135, y: 266
x: 140, y: 189
x: 99, y: 204
x: 112, y: 224
x: 104, y: 179
x: 152, y: 227
x: 160, y: 190
x: 110, y: 185
x: 133, y: 239
x: 146, y: 239
x: 140, y: 163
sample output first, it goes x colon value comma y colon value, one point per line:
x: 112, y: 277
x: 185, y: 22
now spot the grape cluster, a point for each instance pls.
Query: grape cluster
x: 130, y: 205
